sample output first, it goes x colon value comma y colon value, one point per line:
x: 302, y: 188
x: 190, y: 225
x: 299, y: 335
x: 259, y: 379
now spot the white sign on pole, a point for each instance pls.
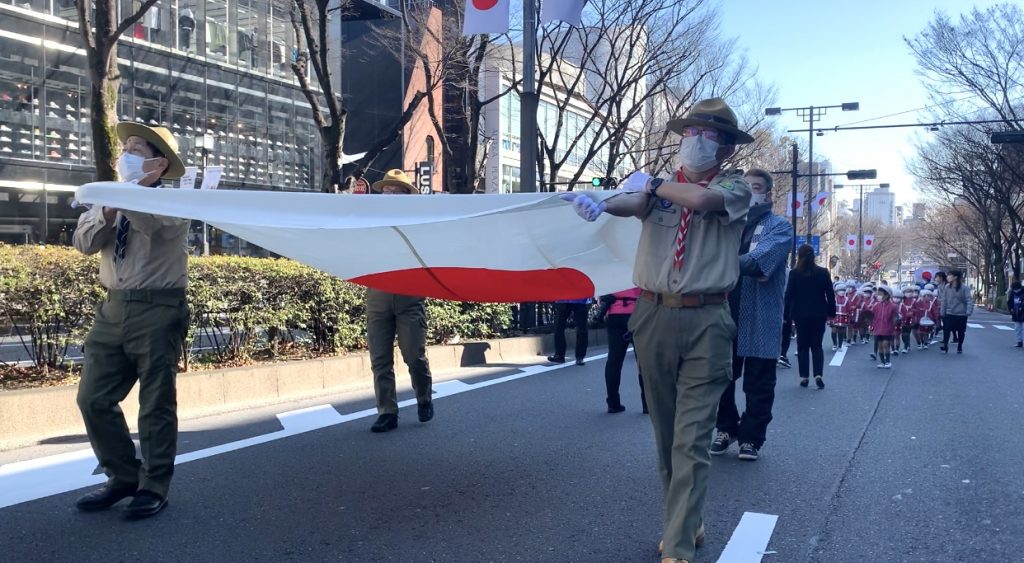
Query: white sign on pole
x: 188, y: 179
x: 211, y: 177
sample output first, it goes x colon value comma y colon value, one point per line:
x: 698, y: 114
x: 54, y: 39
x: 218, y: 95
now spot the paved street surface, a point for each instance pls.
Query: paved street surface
x: 917, y: 463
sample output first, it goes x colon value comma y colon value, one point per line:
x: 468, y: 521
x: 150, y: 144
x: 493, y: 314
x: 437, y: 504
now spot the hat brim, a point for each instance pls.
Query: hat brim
x: 175, y: 167
x: 379, y: 186
x: 676, y: 126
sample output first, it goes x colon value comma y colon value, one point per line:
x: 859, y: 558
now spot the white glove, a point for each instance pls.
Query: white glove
x: 635, y: 182
x: 585, y: 207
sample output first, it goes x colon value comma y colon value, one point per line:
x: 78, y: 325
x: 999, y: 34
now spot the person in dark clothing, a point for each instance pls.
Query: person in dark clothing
x: 955, y: 305
x: 1015, y: 303
x: 580, y: 310
x: 810, y: 302
x: 616, y: 309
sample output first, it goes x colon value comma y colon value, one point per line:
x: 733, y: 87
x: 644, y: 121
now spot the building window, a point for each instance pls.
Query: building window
x: 509, y: 179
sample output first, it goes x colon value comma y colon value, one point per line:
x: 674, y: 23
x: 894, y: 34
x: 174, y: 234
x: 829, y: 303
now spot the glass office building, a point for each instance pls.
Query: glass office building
x: 215, y: 72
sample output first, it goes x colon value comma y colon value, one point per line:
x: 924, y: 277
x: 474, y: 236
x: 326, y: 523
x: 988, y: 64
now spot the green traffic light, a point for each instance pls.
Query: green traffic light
x: 596, y: 182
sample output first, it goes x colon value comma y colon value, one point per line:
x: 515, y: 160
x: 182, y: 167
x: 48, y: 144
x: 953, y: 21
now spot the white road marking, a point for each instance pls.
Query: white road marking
x: 839, y: 356
x: 749, y: 541
x: 34, y: 479
x: 975, y: 325
x: 1004, y: 327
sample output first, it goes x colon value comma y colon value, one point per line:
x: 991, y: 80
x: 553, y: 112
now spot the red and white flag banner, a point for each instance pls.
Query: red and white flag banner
x: 486, y: 247
x: 485, y: 17
x: 568, y: 11
x: 798, y: 204
x: 851, y: 242
x: 869, y: 242
x: 820, y: 201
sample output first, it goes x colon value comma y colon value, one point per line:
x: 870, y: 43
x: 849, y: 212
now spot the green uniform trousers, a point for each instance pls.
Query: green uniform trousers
x: 387, y: 316
x: 137, y: 336
x: 685, y: 358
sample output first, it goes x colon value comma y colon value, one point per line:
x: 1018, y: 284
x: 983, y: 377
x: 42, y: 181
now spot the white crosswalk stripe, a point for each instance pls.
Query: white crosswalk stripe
x: 1004, y: 327
x: 974, y: 325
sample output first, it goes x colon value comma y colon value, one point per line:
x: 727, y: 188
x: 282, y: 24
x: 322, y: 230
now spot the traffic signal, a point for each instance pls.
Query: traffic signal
x: 608, y: 183
x: 1007, y: 137
x: 862, y: 174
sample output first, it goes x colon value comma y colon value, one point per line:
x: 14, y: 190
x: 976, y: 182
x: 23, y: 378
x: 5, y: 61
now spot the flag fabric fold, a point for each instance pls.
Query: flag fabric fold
x: 485, y: 17
x: 484, y: 247
x: 568, y: 11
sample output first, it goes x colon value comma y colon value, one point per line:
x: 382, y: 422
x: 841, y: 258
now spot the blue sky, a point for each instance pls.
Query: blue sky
x: 825, y: 53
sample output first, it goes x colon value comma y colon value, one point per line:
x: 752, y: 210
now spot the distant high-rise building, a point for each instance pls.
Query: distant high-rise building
x: 919, y: 211
x: 880, y: 204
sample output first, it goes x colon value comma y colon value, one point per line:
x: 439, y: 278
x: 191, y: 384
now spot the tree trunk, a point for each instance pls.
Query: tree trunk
x: 102, y: 109
x: 331, y: 136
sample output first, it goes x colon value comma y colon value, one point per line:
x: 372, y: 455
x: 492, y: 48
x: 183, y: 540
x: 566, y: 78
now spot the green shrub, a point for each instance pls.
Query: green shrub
x: 244, y: 308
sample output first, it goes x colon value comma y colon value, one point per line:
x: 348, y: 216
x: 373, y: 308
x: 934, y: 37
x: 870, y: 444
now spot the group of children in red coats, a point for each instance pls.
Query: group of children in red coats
x: 891, y: 317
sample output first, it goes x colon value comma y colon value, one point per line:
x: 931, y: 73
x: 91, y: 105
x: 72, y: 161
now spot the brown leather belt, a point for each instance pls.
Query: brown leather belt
x: 684, y: 301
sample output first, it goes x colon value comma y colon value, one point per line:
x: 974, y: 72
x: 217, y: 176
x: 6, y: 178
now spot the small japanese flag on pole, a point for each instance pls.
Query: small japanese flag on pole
x: 568, y: 11
x: 820, y: 201
x: 869, y: 242
x: 851, y: 242
x: 798, y: 204
x: 486, y: 16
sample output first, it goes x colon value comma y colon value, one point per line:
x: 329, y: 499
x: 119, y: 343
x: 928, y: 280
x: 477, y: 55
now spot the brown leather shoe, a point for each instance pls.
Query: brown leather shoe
x: 698, y: 541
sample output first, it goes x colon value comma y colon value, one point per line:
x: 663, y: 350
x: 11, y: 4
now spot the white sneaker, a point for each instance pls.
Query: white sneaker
x: 881, y: 365
x: 888, y: 365
x: 834, y: 348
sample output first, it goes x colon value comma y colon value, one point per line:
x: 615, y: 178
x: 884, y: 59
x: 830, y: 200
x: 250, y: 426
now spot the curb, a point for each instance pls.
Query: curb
x: 31, y: 415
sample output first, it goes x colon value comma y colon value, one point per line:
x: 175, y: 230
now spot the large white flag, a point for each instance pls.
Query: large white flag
x: 869, y: 242
x: 485, y: 16
x: 486, y: 247
x: 851, y: 242
x: 568, y: 11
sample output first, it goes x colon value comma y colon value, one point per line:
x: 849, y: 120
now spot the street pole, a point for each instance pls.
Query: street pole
x: 528, y: 102
x: 860, y: 235
x: 811, y: 196
x: 792, y: 204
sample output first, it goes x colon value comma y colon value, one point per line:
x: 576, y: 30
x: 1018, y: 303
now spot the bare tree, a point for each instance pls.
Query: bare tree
x: 309, y: 22
x: 100, y: 31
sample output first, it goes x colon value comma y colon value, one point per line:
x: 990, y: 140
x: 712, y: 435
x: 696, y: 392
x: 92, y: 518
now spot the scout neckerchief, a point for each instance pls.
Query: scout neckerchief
x: 684, y: 220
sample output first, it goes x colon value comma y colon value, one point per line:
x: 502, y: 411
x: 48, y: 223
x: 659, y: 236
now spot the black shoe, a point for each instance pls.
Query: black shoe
x: 803, y: 382
x: 579, y: 361
x: 646, y: 411
x: 384, y: 423
x: 944, y: 349
x: 1020, y: 345
x: 557, y: 359
x: 784, y: 362
x: 819, y: 382
x: 612, y: 409
x: 145, y: 504
x: 720, y: 444
x: 748, y: 452
x: 874, y: 356
x: 105, y: 497
x: 425, y: 412
x: 959, y: 350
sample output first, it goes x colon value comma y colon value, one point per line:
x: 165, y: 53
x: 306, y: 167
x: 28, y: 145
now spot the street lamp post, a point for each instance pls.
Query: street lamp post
x: 809, y: 114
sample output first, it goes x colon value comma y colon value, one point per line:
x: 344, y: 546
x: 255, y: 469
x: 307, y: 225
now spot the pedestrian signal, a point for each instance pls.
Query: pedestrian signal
x: 602, y: 182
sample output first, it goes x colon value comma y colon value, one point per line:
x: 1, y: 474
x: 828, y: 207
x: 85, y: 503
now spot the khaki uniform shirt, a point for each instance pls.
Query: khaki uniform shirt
x: 712, y: 243
x: 156, y: 256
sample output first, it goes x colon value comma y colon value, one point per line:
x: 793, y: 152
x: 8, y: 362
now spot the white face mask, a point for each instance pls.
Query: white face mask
x: 758, y: 199
x: 697, y: 154
x: 129, y: 167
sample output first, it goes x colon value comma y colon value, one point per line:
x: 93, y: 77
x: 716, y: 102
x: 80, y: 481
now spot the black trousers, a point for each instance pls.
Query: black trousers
x: 618, y: 343
x: 759, y: 388
x: 955, y: 325
x: 787, y: 335
x: 809, y: 334
x: 579, y: 313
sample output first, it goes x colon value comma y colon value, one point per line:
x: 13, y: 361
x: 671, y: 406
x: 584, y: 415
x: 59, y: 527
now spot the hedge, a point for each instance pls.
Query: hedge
x: 247, y: 308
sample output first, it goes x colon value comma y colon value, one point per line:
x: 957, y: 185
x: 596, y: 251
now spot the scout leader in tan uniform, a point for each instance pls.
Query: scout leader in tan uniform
x: 138, y: 332
x: 686, y: 263
x: 387, y: 316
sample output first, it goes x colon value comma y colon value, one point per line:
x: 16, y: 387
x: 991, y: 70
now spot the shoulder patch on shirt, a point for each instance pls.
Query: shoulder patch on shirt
x: 665, y: 204
x: 728, y: 184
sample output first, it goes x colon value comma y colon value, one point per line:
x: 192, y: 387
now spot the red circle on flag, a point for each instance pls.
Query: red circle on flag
x: 484, y: 4
x: 868, y: 242
x: 851, y: 242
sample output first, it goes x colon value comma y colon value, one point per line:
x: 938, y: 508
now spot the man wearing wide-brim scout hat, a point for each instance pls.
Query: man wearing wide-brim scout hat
x: 395, y: 181
x: 148, y: 154
x: 390, y: 316
x: 138, y: 332
x: 714, y: 114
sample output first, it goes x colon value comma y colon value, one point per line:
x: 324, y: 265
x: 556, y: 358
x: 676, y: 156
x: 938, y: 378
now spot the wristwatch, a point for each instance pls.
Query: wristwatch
x: 655, y: 184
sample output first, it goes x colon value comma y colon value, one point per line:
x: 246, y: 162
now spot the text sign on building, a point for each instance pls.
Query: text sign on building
x: 425, y: 175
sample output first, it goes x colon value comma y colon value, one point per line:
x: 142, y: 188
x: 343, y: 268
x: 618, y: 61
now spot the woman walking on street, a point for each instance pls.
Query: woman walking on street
x: 955, y: 305
x: 810, y: 302
x: 1015, y: 303
x: 619, y: 307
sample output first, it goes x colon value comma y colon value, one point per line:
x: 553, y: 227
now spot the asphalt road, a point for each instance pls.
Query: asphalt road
x: 917, y: 463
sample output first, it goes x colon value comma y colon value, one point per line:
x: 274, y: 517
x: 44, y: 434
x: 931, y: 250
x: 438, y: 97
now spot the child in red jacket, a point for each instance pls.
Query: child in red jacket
x: 884, y: 314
